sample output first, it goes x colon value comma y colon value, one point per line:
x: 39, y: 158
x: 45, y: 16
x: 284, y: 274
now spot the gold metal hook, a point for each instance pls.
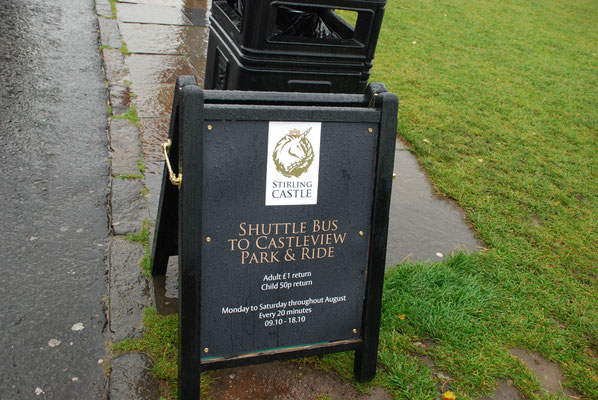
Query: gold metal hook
x: 174, y: 179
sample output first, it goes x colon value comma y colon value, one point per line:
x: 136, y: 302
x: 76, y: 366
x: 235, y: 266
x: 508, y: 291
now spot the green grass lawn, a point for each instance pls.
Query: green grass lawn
x: 499, y: 100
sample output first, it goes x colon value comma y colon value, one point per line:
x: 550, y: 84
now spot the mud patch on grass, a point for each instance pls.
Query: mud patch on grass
x: 284, y: 381
x: 442, y: 379
x: 591, y: 352
x: 505, y: 391
x: 548, y: 373
x: 536, y: 221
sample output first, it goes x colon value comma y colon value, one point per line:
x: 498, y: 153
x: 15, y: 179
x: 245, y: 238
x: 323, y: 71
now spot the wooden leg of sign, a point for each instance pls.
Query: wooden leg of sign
x: 364, y: 366
x: 166, y: 236
x: 366, y: 356
x: 190, y: 240
x: 165, y: 239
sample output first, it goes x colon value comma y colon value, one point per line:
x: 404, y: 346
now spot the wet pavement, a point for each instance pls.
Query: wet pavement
x: 166, y: 39
x: 423, y: 226
x: 53, y: 186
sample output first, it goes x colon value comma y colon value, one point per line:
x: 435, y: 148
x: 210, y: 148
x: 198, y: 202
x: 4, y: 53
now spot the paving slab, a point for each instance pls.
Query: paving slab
x: 151, y: 14
x: 195, y: 3
x: 109, y: 33
x: 129, y: 290
x: 197, y: 16
x: 157, y: 69
x: 191, y: 41
x: 154, y: 133
x: 126, y: 149
x: 114, y: 66
x: 128, y: 206
x: 423, y: 226
x: 131, y: 378
x: 164, y: 39
x: 198, y: 61
x: 180, y: 4
x: 153, y: 100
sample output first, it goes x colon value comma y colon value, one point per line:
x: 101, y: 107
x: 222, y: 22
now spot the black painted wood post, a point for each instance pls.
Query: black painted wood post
x: 366, y: 357
x: 190, y: 238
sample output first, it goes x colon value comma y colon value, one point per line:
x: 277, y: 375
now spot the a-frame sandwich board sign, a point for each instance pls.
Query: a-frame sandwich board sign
x: 277, y: 206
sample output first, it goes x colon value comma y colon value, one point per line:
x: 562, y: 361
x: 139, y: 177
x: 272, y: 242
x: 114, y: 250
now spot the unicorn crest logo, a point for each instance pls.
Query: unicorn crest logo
x: 293, y: 154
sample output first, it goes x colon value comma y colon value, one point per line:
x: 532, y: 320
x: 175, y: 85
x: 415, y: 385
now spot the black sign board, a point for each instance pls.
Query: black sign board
x: 279, y: 217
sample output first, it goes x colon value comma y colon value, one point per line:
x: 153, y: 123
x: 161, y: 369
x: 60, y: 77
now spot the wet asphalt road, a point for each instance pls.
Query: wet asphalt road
x: 53, y: 192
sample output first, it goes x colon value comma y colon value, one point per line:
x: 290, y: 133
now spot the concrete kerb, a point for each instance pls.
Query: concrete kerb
x: 130, y: 378
x: 128, y: 288
x: 110, y: 35
x: 103, y: 8
x: 125, y: 147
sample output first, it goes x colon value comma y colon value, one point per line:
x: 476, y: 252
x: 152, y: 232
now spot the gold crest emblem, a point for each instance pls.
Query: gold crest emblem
x: 293, y: 154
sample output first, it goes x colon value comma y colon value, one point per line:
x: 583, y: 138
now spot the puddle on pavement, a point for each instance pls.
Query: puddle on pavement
x: 154, y: 133
x: 151, y: 14
x: 549, y: 374
x: 166, y: 288
x: 423, y: 226
x: 284, y: 381
x: 167, y: 39
x: 151, y: 69
x: 180, y: 4
x: 197, y: 16
x: 153, y: 100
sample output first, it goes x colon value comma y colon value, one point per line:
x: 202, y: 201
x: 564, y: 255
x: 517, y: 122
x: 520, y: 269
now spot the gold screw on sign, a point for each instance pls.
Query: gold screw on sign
x: 206, y: 350
x: 360, y: 233
x: 210, y: 127
x: 208, y: 239
x: 354, y: 330
x: 394, y: 176
x: 370, y: 130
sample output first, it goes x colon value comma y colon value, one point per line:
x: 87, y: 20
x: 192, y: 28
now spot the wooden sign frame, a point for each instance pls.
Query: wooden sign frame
x: 179, y: 221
